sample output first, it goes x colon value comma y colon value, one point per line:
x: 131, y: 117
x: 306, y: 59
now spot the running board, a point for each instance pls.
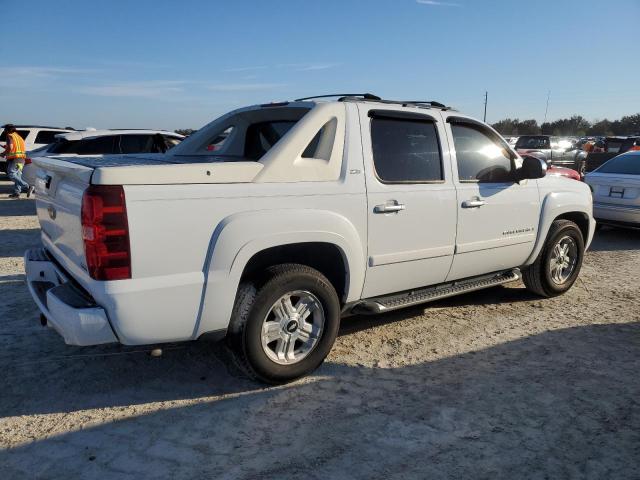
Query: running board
x: 387, y: 303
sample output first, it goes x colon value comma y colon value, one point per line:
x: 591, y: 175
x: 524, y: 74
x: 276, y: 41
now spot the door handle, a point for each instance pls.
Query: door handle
x: 389, y: 208
x: 475, y: 203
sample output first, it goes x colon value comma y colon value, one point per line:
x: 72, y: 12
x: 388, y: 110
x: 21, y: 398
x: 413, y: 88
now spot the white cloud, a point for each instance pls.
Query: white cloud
x: 148, y: 89
x: 242, y: 87
x: 436, y: 3
x: 307, y: 67
x: 245, y: 69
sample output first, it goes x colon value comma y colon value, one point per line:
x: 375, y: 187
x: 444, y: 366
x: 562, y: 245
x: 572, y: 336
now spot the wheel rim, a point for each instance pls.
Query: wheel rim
x: 564, y: 258
x: 292, y: 328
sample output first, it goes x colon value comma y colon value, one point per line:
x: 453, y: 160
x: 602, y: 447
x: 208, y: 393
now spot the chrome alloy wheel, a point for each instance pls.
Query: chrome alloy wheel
x: 292, y: 327
x: 564, y: 258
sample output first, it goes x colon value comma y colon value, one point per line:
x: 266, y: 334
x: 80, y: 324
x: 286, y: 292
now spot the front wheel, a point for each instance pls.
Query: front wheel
x: 284, y: 326
x: 559, y: 262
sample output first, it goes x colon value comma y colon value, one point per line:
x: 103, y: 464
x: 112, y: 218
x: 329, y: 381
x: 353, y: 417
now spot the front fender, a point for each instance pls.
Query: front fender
x: 556, y: 204
x: 240, y: 236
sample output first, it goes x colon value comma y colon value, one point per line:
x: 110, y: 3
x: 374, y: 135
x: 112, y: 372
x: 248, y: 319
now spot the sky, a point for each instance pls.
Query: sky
x: 180, y: 64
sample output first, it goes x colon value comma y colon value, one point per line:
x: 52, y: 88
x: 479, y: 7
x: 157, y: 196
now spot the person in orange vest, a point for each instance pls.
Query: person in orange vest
x: 636, y: 146
x: 15, y: 153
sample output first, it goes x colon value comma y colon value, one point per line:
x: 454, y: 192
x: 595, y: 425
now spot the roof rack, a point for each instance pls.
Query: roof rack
x: 366, y: 96
x: 408, y: 103
x: 346, y: 97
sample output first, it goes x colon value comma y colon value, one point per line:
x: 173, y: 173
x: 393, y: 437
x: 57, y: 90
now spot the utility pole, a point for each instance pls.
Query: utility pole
x: 546, y: 110
x: 486, y: 97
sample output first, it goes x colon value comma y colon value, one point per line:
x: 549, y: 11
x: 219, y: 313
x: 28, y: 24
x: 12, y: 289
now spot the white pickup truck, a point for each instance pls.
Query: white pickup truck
x: 274, y: 221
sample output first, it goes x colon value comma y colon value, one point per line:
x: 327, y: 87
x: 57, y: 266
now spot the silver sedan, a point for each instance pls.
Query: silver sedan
x: 616, y: 191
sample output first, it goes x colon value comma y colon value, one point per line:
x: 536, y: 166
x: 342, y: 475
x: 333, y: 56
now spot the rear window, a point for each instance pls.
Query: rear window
x: 47, y: 136
x: 138, y: 143
x: 533, y: 142
x: 262, y: 136
x: 622, y: 165
x: 62, y: 146
x: 95, y: 146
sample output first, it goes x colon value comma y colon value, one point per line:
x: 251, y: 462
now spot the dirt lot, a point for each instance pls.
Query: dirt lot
x: 495, y: 384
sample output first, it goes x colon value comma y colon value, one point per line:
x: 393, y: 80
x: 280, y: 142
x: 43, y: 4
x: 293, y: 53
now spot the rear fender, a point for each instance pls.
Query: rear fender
x: 239, y: 237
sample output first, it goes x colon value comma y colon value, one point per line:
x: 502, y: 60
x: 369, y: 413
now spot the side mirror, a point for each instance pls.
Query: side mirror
x: 532, y: 168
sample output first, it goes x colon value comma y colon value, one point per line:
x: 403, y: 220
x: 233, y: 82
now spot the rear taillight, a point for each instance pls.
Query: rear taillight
x: 27, y: 161
x: 105, y: 231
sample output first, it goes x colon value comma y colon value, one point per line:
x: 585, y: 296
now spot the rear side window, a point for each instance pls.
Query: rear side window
x: 46, y: 136
x: 96, y: 146
x: 139, y: 143
x: 22, y: 133
x: 218, y: 141
x: 481, y: 156
x: 406, y: 151
x: 171, y: 142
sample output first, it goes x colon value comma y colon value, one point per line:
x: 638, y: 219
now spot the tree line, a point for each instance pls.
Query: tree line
x: 577, y: 125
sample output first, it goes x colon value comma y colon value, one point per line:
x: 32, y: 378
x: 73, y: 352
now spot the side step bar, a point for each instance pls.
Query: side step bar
x: 387, y: 303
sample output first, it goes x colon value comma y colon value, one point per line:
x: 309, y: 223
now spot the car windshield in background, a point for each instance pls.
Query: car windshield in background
x: 532, y: 142
x: 622, y: 165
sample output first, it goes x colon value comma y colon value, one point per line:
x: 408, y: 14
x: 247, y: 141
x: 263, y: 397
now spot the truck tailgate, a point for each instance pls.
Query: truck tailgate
x: 59, y: 188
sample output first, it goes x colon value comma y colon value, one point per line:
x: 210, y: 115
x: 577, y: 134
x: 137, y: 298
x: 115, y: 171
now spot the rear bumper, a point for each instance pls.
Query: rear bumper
x: 604, y: 212
x: 68, y: 310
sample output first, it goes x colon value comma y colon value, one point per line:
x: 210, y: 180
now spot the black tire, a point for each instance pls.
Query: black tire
x: 254, y: 301
x: 537, y: 277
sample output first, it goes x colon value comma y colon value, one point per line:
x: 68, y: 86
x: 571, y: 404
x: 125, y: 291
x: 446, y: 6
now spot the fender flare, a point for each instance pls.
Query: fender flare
x: 238, y: 237
x: 554, y: 205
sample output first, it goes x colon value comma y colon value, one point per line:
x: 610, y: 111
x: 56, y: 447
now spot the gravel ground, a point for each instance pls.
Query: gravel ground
x: 494, y: 384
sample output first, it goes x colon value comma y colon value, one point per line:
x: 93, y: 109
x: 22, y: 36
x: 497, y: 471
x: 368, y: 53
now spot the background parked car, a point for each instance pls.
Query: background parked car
x: 616, y: 191
x: 34, y: 137
x: 556, y: 153
x: 612, y: 146
x: 96, y: 143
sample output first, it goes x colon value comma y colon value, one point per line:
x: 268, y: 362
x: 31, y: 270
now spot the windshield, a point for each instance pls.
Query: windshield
x: 533, y: 142
x: 622, y: 165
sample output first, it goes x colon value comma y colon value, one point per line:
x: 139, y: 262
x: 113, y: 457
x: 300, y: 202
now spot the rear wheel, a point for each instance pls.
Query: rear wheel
x: 558, y: 264
x: 284, y: 325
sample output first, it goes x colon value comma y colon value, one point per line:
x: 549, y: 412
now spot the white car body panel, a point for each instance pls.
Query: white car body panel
x: 194, y: 224
x: 616, y: 197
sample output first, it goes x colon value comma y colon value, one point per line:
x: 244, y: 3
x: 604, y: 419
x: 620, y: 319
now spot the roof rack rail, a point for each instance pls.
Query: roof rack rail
x: 366, y: 96
x: 415, y: 103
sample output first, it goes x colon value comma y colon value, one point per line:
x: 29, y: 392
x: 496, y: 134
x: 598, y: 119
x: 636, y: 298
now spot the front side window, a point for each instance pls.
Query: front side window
x: 481, y: 157
x: 406, y: 150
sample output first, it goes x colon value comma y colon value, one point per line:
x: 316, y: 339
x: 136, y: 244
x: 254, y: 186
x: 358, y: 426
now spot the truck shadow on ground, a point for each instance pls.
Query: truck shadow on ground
x: 15, y: 207
x: 13, y: 243
x: 86, y: 376
x: 609, y: 239
x: 563, y: 403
